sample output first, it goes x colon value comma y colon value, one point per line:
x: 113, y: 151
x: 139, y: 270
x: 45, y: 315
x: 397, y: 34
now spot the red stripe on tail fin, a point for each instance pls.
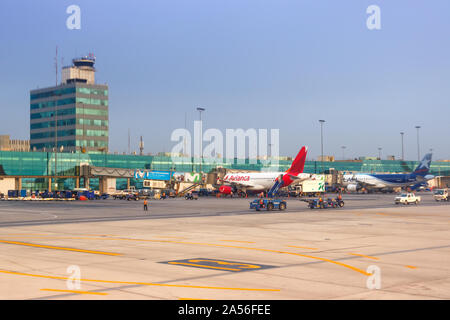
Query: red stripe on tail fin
x: 299, y: 162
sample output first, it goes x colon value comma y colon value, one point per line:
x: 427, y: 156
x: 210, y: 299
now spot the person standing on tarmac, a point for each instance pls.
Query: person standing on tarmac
x: 145, y: 205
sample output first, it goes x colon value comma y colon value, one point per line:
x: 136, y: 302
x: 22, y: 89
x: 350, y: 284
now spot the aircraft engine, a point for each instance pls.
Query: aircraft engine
x: 225, y: 189
x: 352, y: 187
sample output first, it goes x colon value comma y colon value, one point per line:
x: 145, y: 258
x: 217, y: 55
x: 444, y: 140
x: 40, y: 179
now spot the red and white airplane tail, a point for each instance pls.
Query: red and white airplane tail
x: 298, y: 164
x: 265, y: 180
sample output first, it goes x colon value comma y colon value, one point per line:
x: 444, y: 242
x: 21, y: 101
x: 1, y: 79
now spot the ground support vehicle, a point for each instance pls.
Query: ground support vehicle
x: 337, y: 202
x: 132, y: 196
x: 89, y: 195
x: 268, y: 204
x: 167, y: 193
x: 191, y: 196
x: 119, y: 194
x: 98, y: 195
x: 407, y: 198
x: 203, y: 192
x: 324, y: 203
x: 441, y: 195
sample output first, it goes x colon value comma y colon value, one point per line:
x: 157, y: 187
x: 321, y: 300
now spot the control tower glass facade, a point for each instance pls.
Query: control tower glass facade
x: 81, y: 118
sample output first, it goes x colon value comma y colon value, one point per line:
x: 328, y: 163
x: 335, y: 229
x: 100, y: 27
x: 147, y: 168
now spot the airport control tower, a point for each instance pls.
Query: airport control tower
x: 73, y: 116
x: 82, y: 71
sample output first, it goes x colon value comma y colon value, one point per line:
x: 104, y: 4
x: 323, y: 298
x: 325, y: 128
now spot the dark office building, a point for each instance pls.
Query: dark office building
x: 72, y: 116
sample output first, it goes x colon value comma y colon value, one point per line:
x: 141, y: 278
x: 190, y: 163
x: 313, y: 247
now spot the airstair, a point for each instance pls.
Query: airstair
x: 186, y: 190
x: 276, y: 187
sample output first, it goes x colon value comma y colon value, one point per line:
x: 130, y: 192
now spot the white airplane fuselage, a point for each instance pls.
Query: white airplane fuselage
x: 383, y: 181
x: 261, y: 180
x: 366, y: 179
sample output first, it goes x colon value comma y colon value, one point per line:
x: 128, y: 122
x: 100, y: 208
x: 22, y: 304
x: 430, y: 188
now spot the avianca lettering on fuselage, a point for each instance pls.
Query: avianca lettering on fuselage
x: 261, y: 181
x: 231, y: 177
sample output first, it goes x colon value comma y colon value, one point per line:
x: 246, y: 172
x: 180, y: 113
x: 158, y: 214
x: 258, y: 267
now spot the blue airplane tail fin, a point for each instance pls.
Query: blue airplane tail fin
x: 424, y: 166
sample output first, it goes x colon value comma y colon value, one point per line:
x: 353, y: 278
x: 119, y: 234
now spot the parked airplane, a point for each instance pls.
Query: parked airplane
x: 418, y: 177
x: 263, y: 181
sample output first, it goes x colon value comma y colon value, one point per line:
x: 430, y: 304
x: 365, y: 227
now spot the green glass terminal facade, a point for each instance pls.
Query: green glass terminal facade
x: 78, y: 110
x: 34, y: 167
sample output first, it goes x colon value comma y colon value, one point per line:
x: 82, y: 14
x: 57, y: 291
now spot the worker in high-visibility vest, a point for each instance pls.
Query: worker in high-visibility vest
x: 145, y: 205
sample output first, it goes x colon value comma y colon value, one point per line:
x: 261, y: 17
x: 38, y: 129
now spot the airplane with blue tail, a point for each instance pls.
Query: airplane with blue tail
x: 413, y: 180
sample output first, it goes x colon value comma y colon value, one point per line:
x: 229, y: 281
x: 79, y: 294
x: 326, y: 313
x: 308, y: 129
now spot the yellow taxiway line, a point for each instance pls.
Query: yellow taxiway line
x: 203, y: 266
x: 238, y: 241
x: 134, y: 282
x: 411, y: 267
x: 76, y: 291
x: 59, y: 248
x: 303, y: 247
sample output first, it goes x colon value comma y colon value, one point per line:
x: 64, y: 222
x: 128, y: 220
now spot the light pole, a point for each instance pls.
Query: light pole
x: 56, y: 143
x: 343, y: 152
x: 379, y: 153
x: 403, y: 154
x: 321, y: 142
x: 201, y: 138
x: 56, y: 137
x: 418, y: 147
x: 185, y: 143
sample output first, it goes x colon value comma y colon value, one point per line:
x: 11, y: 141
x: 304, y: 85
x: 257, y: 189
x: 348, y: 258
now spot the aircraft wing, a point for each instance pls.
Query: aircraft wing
x: 370, y: 185
x: 300, y: 177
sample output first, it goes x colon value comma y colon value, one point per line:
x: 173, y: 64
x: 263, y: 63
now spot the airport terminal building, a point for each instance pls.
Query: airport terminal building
x: 40, y: 171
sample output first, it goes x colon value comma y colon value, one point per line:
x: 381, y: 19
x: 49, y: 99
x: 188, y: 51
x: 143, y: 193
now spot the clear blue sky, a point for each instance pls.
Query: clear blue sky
x: 250, y: 63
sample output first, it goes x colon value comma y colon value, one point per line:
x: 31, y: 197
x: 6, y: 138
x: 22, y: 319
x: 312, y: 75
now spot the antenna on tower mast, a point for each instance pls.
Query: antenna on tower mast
x: 141, y: 147
x: 129, y: 141
x: 56, y: 66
